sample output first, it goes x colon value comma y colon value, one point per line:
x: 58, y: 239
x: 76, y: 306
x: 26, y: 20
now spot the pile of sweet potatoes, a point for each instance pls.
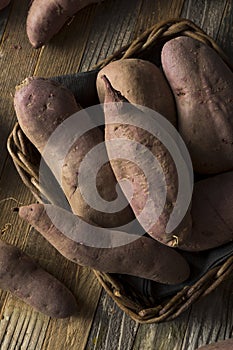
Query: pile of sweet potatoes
x: 193, y: 93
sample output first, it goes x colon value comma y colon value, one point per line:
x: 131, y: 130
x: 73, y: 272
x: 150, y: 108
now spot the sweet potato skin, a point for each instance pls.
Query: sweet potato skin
x: 212, y: 209
x: 37, y: 101
x: 141, y: 83
x: 116, y: 105
x: 46, y: 18
x: 41, y: 106
x: 21, y: 276
x: 202, y: 84
x: 143, y: 257
x: 221, y: 345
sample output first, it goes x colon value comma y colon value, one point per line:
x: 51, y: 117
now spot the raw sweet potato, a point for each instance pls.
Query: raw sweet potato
x: 41, y: 106
x: 212, y: 213
x: 221, y: 345
x: 152, y: 219
x: 47, y: 17
x: 4, y: 3
x: 143, y: 257
x: 141, y: 83
x: 21, y: 276
x: 202, y: 84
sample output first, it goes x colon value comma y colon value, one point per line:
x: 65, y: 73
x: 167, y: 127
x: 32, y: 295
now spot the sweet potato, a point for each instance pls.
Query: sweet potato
x: 141, y: 83
x: 150, y: 218
x: 4, y: 3
x: 21, y: 276
x: 220, y: 345
x: 143, y: 257
x: 47, y: 17
x: 202, y: 84
x: 212, y: 213
x: 41, y: 106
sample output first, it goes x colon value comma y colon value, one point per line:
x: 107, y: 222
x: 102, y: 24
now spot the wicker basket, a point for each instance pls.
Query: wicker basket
x: 26, y: 160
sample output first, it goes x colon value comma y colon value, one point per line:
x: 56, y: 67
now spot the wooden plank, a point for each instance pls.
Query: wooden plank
x: 225, y: 34
x: 19, y: 329
x: 112, y: 328
x: 205, y: 13
x: 107, y: 36
x: 207, y: 321
x: 18, y: 60
x: 152, y: 12
x: 163, y: 336
x: 210, y: 319
x: 22, y: 328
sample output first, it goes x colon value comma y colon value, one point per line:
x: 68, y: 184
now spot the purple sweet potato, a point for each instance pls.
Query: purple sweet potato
x: 141, y: 83
x: 152, y: 219
x: 41, y: 106
x: 47, y: 17
x: 202, y: 84
x: 220, y: 345
x: 21, y: 276
x: 212, y: 213
x: 143, y: 257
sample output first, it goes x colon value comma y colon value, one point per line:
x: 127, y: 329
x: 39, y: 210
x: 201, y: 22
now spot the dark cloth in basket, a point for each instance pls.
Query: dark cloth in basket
x: 199, y: 264
x: 83, y: 86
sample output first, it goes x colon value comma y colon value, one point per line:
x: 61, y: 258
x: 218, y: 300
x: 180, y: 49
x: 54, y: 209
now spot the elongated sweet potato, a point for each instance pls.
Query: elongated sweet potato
x: 21, y: 276
x: 202, y: 84
x: 143, y: 257
x: 47, y: 17
x: 146, y: 179
x: 212, y: 213
x: 221, y: 345
x: 4, y: 3
x: 41, y: 106
x: 140, y: 82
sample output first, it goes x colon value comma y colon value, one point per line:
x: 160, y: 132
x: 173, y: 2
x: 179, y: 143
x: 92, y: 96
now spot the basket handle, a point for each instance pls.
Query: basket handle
x: 160, y: 33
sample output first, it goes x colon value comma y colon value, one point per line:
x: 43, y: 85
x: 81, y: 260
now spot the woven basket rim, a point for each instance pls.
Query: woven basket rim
x: 18, y: 150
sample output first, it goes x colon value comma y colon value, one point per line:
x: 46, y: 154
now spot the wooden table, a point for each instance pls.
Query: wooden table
x: 95, y: 32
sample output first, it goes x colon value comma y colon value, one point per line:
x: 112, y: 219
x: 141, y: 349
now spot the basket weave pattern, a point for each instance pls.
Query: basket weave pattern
x: 26, y: 161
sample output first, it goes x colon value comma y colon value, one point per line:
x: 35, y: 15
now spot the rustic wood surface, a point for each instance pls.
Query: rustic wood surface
x: 94, y: 33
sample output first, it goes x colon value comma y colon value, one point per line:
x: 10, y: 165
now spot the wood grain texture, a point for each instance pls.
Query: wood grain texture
x: 72, y: 332
x: 225, y: 33
x: 96, y: 32
x: 111, y: 328
x: 206, y: 14
x: 18, y: 60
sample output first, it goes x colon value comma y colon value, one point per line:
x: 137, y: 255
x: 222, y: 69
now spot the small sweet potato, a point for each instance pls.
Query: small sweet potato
x: 141, y: 83
x: 152, y: 219
x: 143, y: 257
x: 220, y: 345
x: 202, y: 84
x: 21, y: 276
x: 47, y: 17
x: 212, y: 213
x: 41, y: 106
